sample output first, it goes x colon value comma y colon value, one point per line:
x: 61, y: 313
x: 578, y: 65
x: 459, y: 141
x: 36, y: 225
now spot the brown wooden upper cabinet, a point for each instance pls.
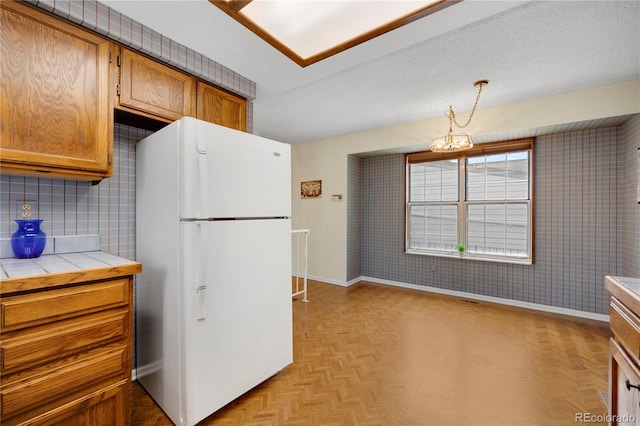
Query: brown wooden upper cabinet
x: 152, y: 89
x: 56, y: 106
x: 220, y: 107
x: 60, y: 83
x: 149, y: 88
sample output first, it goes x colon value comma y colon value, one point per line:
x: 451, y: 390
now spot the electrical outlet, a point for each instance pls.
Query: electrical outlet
x: 26, y: 209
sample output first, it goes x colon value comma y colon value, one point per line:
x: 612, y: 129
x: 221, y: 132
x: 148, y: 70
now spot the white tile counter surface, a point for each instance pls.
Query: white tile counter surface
x: 625, y: 289
x: 58, y: 263
x: 632, y: 284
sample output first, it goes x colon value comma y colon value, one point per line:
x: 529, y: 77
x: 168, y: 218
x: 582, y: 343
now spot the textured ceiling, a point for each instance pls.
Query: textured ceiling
x: 527, y: 49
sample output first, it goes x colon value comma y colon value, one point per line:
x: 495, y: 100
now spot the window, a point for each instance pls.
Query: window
x: 482, y: 198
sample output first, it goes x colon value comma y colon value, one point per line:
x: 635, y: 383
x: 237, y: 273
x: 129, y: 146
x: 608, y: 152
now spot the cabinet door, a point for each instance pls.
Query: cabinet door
x: 155, y: 90
x: 624, y: 387
x: 56, y: 108
x: 220, y: 107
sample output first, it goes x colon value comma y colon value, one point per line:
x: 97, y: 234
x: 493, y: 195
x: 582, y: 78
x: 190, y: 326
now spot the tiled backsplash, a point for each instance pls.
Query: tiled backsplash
x: 58, y: 245
x: 80, y: 208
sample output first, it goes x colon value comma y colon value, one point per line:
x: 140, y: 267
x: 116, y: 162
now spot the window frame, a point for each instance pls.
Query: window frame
x: 479, y: 150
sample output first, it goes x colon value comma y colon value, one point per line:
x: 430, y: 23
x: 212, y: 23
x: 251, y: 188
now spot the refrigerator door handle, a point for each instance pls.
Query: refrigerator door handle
x: 201, y: 293
x: 203, y: 177
x: 201, y: 277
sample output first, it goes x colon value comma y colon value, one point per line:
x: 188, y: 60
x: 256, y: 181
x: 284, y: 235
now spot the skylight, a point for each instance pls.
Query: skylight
x: 308, y: 31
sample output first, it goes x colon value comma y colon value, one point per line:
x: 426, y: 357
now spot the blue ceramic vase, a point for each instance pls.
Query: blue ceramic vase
x: 29, y: 240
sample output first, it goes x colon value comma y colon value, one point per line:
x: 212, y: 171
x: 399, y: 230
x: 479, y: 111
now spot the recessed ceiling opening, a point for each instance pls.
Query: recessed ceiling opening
x: 311, y: 30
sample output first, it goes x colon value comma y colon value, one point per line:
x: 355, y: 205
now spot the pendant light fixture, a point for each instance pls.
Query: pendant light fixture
x: 452, y: 142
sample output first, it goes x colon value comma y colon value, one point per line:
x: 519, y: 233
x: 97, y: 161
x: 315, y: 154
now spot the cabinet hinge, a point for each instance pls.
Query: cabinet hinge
x: 118, y: 61
x: 118, y: 89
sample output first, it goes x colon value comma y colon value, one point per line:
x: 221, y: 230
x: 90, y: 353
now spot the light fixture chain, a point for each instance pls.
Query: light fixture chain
x: 457, y: 142
x: 473, y: 110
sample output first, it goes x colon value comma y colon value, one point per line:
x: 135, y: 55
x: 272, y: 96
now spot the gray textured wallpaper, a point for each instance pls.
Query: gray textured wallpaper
x: 586, y: 225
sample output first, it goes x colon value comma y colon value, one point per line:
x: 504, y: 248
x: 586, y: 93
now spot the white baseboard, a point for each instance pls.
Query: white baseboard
x: 465, y: 295
x: 498, y: 300
x: 334, y: 282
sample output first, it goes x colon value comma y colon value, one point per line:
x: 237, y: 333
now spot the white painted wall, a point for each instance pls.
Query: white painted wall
x: 327, y: 159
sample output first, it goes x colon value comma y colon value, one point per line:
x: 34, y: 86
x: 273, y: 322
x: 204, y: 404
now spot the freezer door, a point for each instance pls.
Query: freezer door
x: 237, y: 319
x: 227, y: 173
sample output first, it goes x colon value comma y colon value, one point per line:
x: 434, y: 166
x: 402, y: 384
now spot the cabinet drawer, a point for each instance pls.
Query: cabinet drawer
x: 38, y: 308
x: 62, y: 339
x: 103, y: 407
x: 25, y: 395
x: 626, y: 327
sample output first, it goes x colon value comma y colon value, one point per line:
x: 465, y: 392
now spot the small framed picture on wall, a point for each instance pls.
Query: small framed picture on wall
x: 311, y: 189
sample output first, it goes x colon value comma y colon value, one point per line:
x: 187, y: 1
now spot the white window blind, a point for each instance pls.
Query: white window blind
x: 482, y: 198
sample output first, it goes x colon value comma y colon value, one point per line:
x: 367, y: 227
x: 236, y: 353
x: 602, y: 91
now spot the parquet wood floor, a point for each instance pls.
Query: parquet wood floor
x: 377, y: 355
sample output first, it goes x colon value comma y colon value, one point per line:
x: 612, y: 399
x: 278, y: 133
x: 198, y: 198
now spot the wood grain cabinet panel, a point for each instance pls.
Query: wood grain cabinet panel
x: 24, y: 395
x: 153, y: 89
x: 66, y: 338
x: 625, y: 326
x: 219, y: 107
x: 103, y: 407
x: 624, y: 387
x: 66, y: 350
x: 56, y: 104
x: 624, y: 355
x: 42, y: 307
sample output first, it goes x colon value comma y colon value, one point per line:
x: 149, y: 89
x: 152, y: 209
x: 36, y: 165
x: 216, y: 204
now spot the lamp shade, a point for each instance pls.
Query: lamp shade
x: 451, y: 143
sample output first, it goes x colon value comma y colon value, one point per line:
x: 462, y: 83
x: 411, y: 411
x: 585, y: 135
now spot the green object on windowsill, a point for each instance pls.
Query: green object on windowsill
x: 461, y: 248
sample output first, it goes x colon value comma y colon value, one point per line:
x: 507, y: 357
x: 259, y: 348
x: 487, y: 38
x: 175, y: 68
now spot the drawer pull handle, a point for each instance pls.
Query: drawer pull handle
x: 629, y: 385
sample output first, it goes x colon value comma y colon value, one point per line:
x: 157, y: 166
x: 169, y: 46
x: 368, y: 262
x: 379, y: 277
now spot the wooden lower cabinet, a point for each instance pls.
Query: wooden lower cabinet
x: 104, y: 407
x: 624, y: 382
x: 67, y: 354
x: 624, y: 354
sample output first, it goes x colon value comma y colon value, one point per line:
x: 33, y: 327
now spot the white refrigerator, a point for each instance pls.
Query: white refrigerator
x: 213, y: 234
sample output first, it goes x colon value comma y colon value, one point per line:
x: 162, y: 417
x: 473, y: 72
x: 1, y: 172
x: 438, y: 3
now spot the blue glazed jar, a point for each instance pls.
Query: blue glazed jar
x: 29, y: 240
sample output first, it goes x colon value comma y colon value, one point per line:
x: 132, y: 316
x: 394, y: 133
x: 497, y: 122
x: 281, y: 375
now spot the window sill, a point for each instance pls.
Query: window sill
x: 467, y: 256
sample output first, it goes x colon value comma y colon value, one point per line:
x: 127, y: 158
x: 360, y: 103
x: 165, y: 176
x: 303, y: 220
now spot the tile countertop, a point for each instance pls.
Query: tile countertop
x: 625, y: 289
x: 60, y: 269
